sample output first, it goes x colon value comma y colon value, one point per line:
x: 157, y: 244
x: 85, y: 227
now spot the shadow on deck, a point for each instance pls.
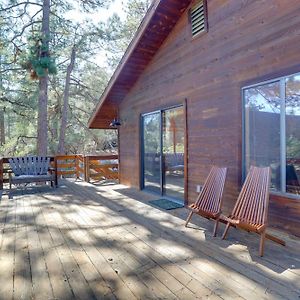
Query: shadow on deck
x: 105, y: 241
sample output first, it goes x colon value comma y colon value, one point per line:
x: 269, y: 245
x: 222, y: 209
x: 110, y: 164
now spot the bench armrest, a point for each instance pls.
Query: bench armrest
x: 54, y: 170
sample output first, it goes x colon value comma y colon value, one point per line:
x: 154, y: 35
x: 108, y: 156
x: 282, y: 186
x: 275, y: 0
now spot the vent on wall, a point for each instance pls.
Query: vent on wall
x: 198, y: 18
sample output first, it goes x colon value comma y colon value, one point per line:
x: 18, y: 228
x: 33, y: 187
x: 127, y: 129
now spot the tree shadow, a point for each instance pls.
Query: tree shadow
x: 111, y: 237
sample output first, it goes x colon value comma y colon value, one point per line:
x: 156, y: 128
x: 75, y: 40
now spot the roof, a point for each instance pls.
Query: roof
x: 159, y: 21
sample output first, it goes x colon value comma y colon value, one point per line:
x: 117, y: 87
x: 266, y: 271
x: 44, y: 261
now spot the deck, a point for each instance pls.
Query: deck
x: 82, y: 241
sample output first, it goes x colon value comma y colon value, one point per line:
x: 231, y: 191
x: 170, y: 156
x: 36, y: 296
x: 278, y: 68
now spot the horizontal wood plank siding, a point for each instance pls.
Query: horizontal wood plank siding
x: 247, y: 42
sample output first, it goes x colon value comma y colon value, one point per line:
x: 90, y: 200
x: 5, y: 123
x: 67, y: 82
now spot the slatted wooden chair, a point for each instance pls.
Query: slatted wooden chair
x: 209, y: 201
x: 251, y: 209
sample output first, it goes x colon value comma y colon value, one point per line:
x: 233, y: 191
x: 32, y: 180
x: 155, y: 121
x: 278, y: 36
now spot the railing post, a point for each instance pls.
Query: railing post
x: 55, y: 170
x: 77, y: 167
x: 86, y: 169
x: 1, y: 173
x: 119, y: 167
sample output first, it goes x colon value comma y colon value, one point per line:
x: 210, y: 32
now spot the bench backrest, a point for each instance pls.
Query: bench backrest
x: 30, y: 165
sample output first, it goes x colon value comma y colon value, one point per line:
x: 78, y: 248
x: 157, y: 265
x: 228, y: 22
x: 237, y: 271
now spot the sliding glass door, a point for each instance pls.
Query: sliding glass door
x: 163, y: 152
x: 152, y: 152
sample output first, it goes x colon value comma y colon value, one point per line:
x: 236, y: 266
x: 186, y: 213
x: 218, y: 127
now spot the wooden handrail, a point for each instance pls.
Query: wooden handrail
x: 102, y: 157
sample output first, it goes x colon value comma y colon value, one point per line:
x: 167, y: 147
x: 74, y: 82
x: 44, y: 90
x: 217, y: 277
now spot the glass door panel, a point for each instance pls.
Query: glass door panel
x: 173, y: 152
x: 152, y: 152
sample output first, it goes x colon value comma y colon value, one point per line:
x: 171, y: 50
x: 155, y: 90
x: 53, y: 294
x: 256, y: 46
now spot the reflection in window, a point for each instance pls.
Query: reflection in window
x: 262, y: 128
x: 292, y: 111
x: 173, y: 152
x: 151, y: 127
x: 272, y: 131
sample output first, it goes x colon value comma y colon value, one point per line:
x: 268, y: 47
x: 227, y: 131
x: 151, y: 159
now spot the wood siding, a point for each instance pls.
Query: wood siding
x: 247, y: 42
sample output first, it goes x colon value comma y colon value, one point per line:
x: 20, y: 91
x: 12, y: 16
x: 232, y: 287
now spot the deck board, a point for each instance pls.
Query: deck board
x: 82, y: 241
x: 7, y: 248
x: 241, y: 265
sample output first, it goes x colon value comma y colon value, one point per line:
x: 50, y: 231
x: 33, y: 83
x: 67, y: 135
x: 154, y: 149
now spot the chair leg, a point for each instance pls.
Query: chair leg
x: 262, y: 243
x: 216, y: 227
x: 225, y: 231
x: 188, y: 218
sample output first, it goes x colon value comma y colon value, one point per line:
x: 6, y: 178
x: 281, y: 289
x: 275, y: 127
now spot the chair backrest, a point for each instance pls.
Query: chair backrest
x: 253, y: 201
x: 210, y: 197
x: 29, y: 165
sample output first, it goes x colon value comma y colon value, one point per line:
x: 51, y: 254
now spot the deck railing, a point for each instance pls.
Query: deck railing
x: 85, y: 167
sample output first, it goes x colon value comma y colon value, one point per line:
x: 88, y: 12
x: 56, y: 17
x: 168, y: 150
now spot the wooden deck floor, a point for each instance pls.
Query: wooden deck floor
x: 81, y: 241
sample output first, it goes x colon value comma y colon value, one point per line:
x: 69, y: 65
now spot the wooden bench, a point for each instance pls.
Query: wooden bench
x: 31, y: 169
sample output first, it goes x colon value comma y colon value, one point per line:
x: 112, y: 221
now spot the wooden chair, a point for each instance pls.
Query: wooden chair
x: 251, y: 209
x: 208, y: 203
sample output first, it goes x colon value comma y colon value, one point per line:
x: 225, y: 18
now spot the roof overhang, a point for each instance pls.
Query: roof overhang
x: 159, y: 21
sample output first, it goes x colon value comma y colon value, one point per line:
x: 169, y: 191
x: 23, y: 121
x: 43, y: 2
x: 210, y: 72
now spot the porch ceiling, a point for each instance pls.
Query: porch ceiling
x: 156, y: 26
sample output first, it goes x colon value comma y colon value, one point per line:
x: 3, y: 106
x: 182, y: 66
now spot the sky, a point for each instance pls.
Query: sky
x: 102, y: 14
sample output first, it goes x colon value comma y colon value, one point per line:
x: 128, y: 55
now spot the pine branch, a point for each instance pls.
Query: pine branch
x: 19, y: 4
x: 26, y: 137
x: 17, y: 103
x: 10, y: 69
x: 24, y: 28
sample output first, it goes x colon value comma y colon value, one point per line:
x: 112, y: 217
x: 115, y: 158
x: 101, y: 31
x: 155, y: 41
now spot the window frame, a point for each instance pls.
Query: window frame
x: 282, y: 83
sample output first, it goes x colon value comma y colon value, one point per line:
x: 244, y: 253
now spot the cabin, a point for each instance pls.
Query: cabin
x: 205, y: 83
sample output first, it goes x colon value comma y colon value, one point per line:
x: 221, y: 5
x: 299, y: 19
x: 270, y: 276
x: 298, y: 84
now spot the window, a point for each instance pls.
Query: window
x: 198, y: 18
x: 272, y: 131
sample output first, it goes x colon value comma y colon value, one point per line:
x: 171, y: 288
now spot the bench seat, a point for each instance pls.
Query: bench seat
x: 32, y: 178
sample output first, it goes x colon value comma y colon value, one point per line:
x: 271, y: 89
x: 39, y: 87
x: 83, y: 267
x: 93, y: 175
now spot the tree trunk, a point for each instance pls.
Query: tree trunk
x: 42, y: 133
x: 2, y: 128
x: 2, y: 122
x: 64, y: 117
x: 42, y: 130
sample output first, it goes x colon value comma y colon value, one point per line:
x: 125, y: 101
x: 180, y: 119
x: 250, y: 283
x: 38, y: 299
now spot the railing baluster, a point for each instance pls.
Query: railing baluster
x: 77, y: 167
x: 1, y: 173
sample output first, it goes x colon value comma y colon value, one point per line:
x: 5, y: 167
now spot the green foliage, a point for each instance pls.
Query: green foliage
x: 37, y: 59
x: 120, y: 33
x: 27, y: 53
